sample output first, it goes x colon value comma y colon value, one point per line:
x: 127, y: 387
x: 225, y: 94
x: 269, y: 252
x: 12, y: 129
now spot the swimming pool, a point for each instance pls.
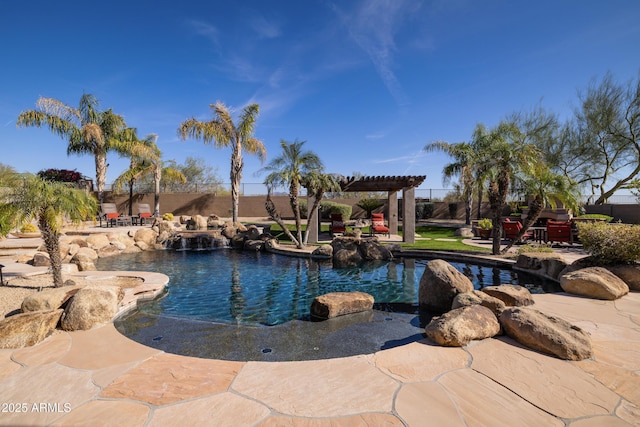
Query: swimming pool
x: 241, y: 305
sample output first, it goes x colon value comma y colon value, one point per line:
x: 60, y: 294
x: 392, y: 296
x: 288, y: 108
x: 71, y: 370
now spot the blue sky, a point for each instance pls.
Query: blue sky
x: 366, y: 83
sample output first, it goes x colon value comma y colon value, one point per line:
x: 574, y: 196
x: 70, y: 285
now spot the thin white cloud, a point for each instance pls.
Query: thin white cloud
x: 264, y: 28
x: 373, y: 26
x: 205, y: 30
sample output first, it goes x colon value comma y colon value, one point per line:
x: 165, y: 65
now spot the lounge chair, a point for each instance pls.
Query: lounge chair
x: 337, y: 225
x: 559, y: 231
x: 377, y: 225
x: 109, y: 212
x: 144, y: 213
x: 512, y: 228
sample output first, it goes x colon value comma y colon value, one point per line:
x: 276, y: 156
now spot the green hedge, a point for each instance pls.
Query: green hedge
x: 424, y: 210
x: 327, y: 208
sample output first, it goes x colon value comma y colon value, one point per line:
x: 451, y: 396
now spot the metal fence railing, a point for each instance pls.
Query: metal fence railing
x: 258, y: 189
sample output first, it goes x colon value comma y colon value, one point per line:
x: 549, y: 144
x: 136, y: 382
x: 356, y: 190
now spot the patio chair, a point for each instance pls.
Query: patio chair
x: 377, y: 225
x: 109, y: 212
x: 512, y: 228
x: 337, y: 225
x: 559, y: 231
x: 144, y: 213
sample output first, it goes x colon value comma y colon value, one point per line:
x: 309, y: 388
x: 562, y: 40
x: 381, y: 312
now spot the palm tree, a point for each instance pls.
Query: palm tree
x: 317, y: 184
x: 505, y: 152
x: 289, y: 169
x: 224, y: 133
x: 464, y: 165
x: 26, y: 197
x: 145, y: 162
x: 88, y: 130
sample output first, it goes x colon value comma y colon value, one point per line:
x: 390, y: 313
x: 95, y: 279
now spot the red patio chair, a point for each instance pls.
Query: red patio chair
x: 512, y: 228
x: 559, y: 231
x: 337, y: 225
x: 377, y: 224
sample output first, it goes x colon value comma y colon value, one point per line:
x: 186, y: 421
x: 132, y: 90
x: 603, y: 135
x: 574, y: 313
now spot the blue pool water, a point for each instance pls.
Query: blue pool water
x: 247, y: 288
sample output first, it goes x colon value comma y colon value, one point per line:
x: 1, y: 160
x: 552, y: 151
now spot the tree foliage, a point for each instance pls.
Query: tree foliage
x: 27, y: 197
x: 223, y: 132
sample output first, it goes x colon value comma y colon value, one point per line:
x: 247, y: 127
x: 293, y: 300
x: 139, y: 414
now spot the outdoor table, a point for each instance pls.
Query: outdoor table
x: 539, y: 234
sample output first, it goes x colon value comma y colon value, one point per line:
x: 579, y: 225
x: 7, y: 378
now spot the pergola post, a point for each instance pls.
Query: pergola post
x: 392, y: 203
x: 409, y: 215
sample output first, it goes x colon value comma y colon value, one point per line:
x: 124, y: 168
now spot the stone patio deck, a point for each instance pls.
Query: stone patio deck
x: 101, y: 378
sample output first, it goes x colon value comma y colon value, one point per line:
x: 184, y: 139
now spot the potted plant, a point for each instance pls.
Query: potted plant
x: 485, y: 225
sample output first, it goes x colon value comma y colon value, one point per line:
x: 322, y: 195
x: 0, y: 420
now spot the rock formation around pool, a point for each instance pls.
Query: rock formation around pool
x: 474, y: 315
x: 353, y: 250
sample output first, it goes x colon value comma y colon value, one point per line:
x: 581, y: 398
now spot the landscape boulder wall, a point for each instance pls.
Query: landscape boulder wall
x: 545, y: 333
x: 460, y: 326
x: 322, y: 252
x: 439, y: 285
x: 349, y: 250
x: 629, y: 273
x: 146, y: 236
x: 92, y: 306
x: 511, y: 295
x: 27, y: 329
x: 594, y: 282
x: 336, y: 304
x: 548, y: 265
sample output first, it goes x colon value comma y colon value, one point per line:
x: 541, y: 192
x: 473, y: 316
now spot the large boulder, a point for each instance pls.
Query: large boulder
x: 253, y: 232
x: 511, y: 295
x: 594, y: 282
x: 27, y: 329
x: 336, y: 304
x: 109, y: 251
x: 439, y: 285
x: 545, y: 333
x: 92, y: 306
x: 48, y: 299
x: 542, y: 263
x: 253, y: 245
x: 147, y: 236
x: 41, y: 259
x: 85, y: 254
x: 97, y: 241
x: 322, y: 252
x: 345, y: 251
x: 370, y: 249
x: 198, y: 222
x: 474, y: 297
x: 629, y: 273
x: 460, y: 326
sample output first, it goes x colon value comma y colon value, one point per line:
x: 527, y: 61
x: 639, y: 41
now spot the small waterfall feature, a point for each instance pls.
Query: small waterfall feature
x: 197, y: 241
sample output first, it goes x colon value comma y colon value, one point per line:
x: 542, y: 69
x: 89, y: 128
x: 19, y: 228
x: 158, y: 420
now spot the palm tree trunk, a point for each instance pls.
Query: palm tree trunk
x: 157, y: 176
x: 535, y: 209
x: 295, y: 207
x: 236, y: 177
x: 274, y: 215
x: 131, y: 197
x: 52, y: 244
x: 311, y: 214
x: 101, y: 174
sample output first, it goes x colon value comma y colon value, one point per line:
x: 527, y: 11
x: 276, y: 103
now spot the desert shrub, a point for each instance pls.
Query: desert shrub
x: 424, y: 210
x: 29, y: 228
x: 607, y: 218
x: 327, y: 208
x: 610, y: 244
x: 532, y: 247
x: 167, y: 216
x: 369, y: 205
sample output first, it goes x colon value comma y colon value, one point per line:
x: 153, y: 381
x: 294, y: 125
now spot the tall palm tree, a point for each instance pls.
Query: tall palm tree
x: 88, y: 130
x: 223, y: 132
x: 146, y: 162
x: 505, y: 153
x: 289, y: 169
x: 26, y: 197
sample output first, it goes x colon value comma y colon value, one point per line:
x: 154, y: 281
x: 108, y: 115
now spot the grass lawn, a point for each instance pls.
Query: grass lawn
x: 430, y: 233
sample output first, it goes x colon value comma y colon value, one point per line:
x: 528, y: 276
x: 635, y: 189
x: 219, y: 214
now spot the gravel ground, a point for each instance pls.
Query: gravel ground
x: 12, y: 295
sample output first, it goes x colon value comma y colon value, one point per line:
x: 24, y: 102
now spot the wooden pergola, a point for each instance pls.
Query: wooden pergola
x: 391, y: 185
